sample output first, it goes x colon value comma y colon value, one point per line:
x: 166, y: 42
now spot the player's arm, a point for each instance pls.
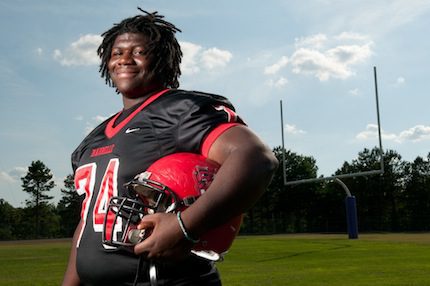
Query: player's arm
x: 247, y: 167
x: 71, y: 277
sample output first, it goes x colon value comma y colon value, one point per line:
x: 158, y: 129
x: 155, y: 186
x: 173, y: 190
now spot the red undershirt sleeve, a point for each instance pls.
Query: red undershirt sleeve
x: 213, y: 135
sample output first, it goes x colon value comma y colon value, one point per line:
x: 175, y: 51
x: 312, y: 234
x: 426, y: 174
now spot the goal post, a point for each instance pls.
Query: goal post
x: 350, y: 202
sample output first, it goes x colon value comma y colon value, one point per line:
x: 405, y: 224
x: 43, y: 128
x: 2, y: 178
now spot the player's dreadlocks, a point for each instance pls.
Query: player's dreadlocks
x: 162, y: 47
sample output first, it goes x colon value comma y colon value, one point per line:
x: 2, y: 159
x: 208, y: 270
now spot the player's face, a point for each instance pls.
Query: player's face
x: 128, y: 66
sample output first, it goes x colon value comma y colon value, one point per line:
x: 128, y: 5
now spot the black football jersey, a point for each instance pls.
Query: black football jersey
x: 114, y: 152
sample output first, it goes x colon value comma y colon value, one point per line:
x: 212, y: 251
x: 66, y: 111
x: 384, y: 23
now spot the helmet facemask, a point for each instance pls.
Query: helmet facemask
x: 143, y: 197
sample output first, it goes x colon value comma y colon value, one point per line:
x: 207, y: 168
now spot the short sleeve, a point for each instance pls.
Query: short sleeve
x: 207, y: 118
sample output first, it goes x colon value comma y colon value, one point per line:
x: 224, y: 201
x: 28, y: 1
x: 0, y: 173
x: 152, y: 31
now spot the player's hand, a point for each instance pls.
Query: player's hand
x: 166, y: 241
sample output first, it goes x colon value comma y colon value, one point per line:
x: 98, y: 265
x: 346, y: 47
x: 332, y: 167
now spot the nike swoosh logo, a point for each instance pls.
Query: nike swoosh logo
x: 131, y: 130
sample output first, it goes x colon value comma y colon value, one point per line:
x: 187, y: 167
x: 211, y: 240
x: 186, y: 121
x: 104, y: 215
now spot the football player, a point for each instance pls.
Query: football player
x: 140, y: 58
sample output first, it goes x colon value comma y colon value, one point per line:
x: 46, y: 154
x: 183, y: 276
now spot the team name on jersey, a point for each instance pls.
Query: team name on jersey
x: 102, y: 150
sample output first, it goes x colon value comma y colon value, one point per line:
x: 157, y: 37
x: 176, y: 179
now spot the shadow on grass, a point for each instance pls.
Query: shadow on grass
x: 336, y: 246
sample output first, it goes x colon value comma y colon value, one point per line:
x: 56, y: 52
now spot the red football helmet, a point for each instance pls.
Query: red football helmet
x: 170, y: 184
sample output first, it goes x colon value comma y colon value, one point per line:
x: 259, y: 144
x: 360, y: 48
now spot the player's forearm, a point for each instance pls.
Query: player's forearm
x: 71, y: 277
x: 242, y: 178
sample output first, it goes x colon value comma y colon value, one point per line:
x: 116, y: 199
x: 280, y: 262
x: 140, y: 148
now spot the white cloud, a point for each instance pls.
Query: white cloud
x: 371, y: 132
x: 191, y: 53
x: 12, y: 176
x: 5, y: 177
x: 292, y: 129
x: 315, y: 41
x: 81, y: 52
x: 349, y: 54
x: 280, y: 82
x: 39, y: 51
x: 18, y: 172
x: 326, y: 57
x: 332, y: 63
x: 313, y: 62
x: 415, y: 134
x: 273, y: 69
x: 197, y: 59
x: 214, y: 58
x: 95, y: 121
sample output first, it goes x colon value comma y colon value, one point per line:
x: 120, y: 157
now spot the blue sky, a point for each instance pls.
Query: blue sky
x: 316, y: 56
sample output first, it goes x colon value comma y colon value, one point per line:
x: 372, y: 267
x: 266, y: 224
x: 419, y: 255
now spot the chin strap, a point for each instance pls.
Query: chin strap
x: 209, y: 255
x: 153, y: 273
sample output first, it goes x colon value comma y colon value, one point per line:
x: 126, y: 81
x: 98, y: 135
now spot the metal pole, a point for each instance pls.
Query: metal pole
x: 320, y: 179
x: 284, y: 171
x: 379, y: 122
x: 358, y: 174
x: 345, y: 188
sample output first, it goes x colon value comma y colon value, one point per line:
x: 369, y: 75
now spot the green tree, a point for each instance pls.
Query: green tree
x: 23, y: 227
x: 416, y: 196
x: 378, y: 197
x: 6, y: 220
x: 37, y: 182
x: 328, y: 208
x: 297, y: 201
x: 281, y: 208
x: 69, y: 207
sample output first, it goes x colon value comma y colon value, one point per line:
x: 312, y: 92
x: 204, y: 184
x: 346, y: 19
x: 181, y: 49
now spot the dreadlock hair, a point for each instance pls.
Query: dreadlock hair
x: 162, y: 47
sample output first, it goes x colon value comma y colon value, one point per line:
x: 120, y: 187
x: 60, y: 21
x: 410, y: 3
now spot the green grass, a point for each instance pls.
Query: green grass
x: 373, y: 259
x: 35, y: 263
x: 383, y: 259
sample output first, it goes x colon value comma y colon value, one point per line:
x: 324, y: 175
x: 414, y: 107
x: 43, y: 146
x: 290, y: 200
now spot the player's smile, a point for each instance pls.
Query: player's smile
x: 125, y: 73
x: 128, y: 66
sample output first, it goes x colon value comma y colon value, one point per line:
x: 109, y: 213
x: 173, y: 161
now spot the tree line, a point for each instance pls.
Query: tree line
x: 397, y: 200
x: 41, y: 218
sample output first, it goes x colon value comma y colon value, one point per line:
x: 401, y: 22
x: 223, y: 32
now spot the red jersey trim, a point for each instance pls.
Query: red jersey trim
x: 111, y: 131
x: 213, y: 135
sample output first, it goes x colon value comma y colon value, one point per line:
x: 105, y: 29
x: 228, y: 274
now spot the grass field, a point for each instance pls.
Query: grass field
x: 373, y: 259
